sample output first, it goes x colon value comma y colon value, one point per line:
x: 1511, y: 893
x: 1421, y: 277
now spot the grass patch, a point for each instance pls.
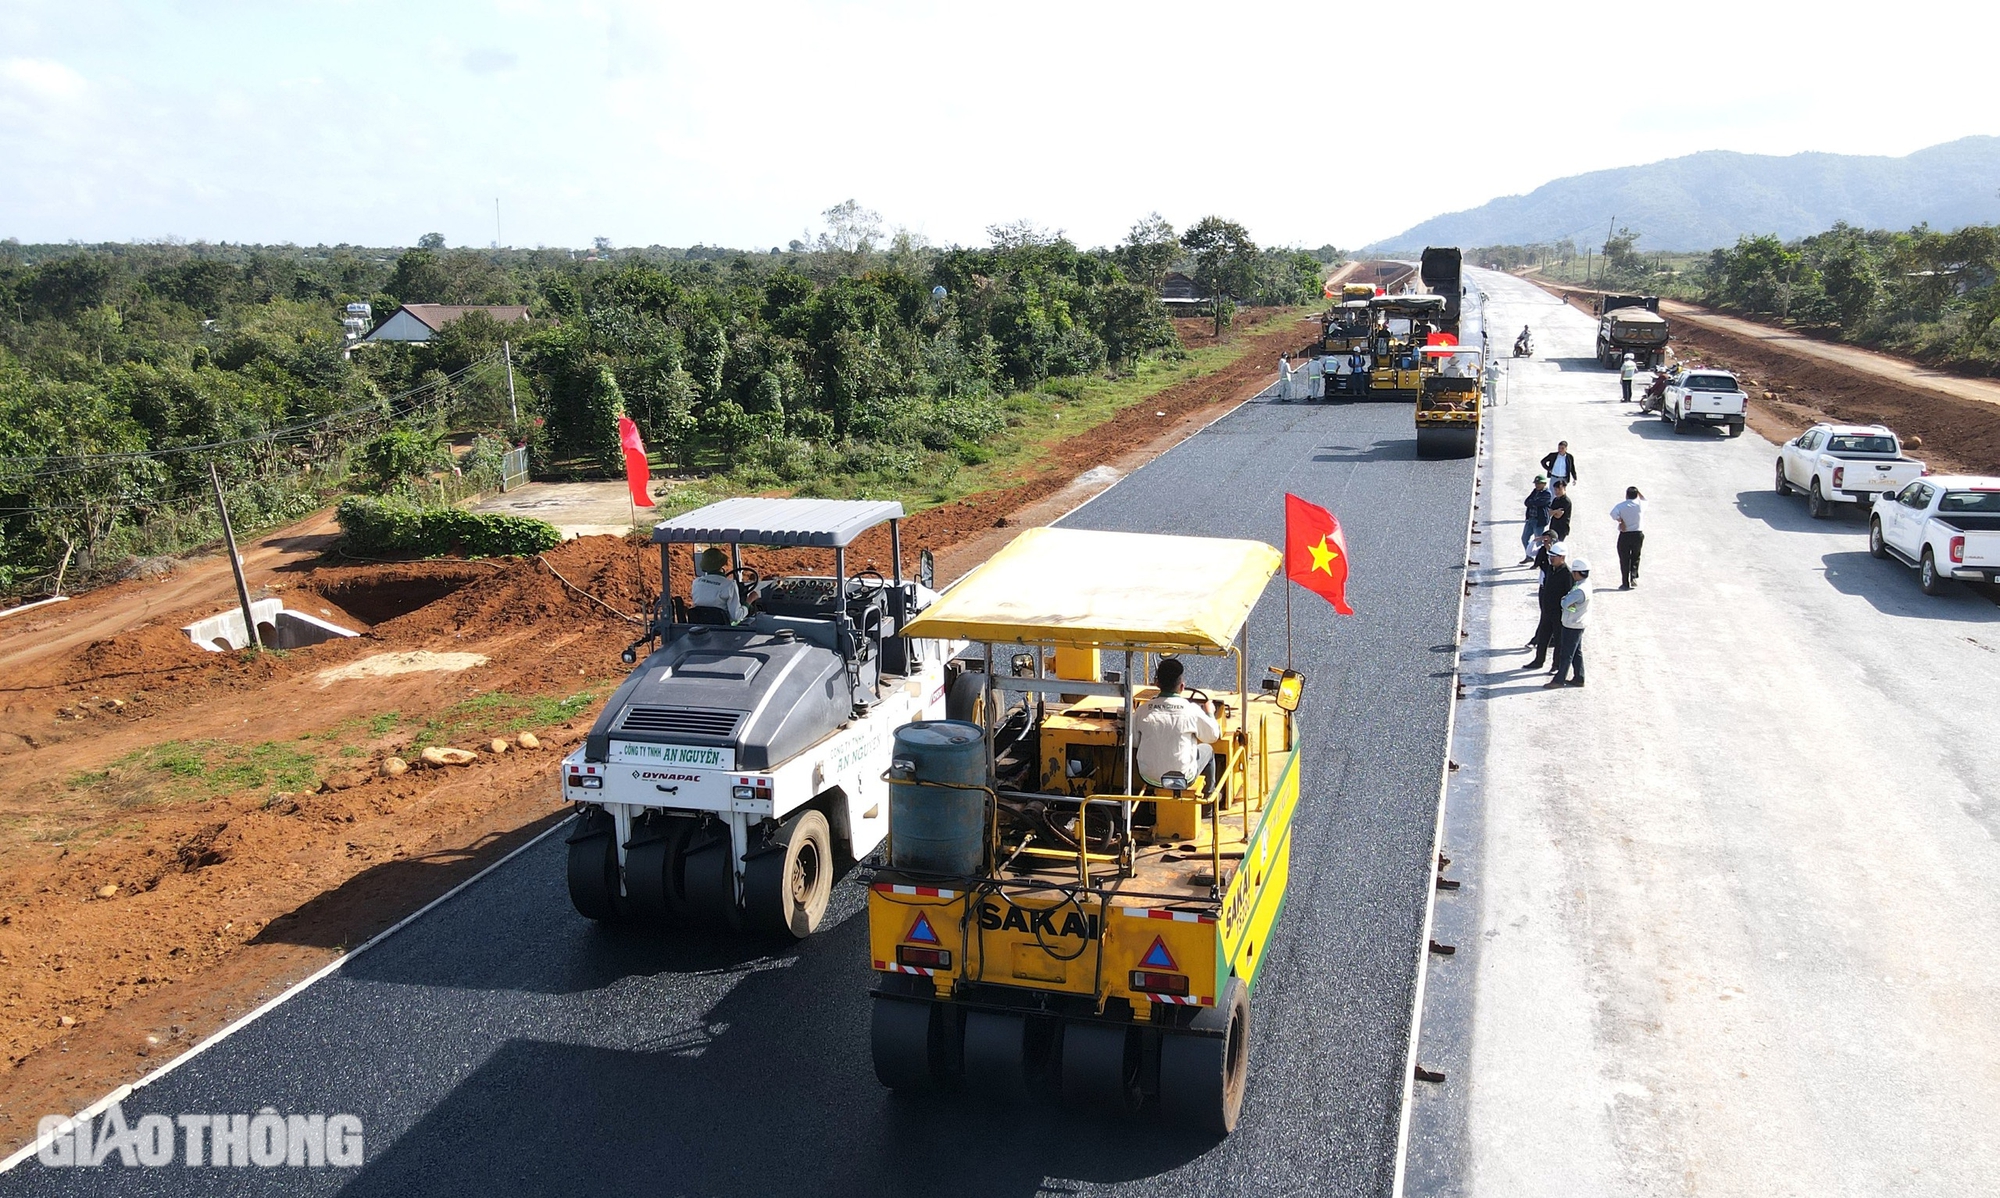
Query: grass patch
x: 494, y: 712
x: 178, y: 770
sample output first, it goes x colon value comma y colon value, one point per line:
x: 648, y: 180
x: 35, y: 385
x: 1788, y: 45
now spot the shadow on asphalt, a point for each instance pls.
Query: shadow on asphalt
x: 1588, y: 365
x: 746, y: 1102
x: 1787, y: 513
x: 1381, y: 451
x: 1892, y: 588
x: 1655, y: 429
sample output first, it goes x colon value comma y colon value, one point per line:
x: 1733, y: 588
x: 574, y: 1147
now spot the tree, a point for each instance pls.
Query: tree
x: 1225, y: 259
x: 1149, y: 252
x: 1621, y: 254
x: 431, y: 241
x: 850, y: 229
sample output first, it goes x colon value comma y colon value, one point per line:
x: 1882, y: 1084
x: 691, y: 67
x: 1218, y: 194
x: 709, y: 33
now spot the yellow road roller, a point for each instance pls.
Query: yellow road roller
x: 1084, y: 875
x: 1448, y: 407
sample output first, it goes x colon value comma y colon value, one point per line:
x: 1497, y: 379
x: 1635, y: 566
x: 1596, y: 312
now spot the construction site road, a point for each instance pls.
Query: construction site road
x: 1724, y: 911
x: 502, y: 1044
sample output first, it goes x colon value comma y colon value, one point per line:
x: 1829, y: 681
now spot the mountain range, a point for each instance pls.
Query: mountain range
x: 1701, y: 201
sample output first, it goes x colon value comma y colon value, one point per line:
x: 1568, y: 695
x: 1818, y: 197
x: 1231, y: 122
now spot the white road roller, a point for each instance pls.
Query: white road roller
x: 739, y: 767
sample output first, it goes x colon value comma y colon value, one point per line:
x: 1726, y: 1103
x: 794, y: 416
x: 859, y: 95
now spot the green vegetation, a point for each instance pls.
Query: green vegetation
x: 125, y: 370
x: 177, y: 770
x: 1932, y: 295
x: 498, y: 711
x: 395, y: 526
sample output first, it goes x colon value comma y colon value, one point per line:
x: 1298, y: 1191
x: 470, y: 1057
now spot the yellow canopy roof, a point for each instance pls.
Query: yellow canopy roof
x: 1074, y: 587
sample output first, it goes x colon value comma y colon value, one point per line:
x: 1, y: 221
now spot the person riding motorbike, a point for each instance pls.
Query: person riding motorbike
x: 1524, y: 345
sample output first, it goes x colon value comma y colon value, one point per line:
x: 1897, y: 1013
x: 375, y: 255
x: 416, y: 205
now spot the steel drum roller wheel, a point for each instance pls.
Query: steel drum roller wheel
x: 1100, y: 1067
x: 593, y: 868
x: 903, y: 1039
x: 1202, y: 1078
x: 787, y: 887
x: 996, y: 1054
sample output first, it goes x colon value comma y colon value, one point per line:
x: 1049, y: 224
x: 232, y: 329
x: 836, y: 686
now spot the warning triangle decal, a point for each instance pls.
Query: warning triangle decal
x: 1157, y: 957
x: 920, y: 932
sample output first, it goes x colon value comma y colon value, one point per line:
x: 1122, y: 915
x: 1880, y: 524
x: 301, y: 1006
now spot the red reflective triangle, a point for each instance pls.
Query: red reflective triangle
x: 920, y: 932
x: 1157, y: 957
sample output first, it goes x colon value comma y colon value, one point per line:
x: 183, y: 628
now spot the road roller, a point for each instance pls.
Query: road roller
x: 738, y: 768
x: 1448, y: 408
x: 1052, y: 924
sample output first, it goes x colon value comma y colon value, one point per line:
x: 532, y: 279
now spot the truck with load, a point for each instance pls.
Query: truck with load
x: 1631, y: 324
x: 1844, y: 463
x: 1946, y: 525
x: 738, y: 767
x: 1052, y: 923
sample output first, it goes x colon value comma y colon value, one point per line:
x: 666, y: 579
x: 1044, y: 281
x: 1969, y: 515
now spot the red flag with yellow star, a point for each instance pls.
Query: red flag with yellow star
x: 1316, y: 552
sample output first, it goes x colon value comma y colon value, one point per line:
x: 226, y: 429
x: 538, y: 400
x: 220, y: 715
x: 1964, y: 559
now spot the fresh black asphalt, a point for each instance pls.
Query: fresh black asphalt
x: 504, y: 1045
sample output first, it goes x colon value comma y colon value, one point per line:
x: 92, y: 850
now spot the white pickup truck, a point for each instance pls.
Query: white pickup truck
x: 1698, y: 395
x: 1844, y: 463
x: 1946, y: 525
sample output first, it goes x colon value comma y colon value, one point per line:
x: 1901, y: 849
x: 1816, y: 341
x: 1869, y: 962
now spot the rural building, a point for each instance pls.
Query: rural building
x: 420, y: 322
x: 1181, y: 297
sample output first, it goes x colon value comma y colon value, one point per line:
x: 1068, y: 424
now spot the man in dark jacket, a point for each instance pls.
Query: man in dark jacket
x: 1556, y: 582
x: 1537, y: 505
x: 1560, y: 506
x: 1560, y: 465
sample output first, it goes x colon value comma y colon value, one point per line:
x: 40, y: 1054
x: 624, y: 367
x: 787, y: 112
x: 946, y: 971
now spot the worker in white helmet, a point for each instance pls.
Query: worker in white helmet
x: 1569, y: 637
x: 1627, y: 371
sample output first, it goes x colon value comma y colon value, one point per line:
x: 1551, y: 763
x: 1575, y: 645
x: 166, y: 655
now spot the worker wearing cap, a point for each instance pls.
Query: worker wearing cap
x: 1627, y: 371
x: 1537, y: 505
x: 714, y: 588
x: 1556, y: 582
x: 1569, y: 637
x: 1175, y: 733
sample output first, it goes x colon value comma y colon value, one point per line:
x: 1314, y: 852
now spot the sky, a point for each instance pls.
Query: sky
x: 739, y: 123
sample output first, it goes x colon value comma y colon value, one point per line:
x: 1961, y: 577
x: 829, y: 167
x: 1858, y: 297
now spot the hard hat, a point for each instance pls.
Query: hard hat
x: 713, y: 561
x: 1559, y: 549
x: 1628, y: 357
x: 1578, y: 566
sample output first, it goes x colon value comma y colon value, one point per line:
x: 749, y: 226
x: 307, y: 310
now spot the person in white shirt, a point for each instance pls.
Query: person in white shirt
x: 1627, y: 371
x: 1575, y: 614
x: 714, y: 588
x: 1631, y: 537
x: 1175, y: 733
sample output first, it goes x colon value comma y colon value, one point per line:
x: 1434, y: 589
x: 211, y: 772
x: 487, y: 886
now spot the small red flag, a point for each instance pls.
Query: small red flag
x: 1316, y: 552
x: 637, y: 472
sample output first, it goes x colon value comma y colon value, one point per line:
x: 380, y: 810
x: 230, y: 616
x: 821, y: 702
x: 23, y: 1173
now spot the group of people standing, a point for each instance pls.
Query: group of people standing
x: 1563, y: 596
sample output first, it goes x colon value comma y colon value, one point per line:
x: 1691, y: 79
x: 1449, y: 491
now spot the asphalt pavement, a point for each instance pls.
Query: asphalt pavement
x: 502, y: 1044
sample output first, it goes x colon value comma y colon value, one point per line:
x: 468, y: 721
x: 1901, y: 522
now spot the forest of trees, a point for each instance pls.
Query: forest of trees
x: 126, y: 370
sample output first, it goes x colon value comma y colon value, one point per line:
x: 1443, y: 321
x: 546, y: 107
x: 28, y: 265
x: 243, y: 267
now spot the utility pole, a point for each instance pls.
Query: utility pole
x: 235, y: 562
x: 507, y: 351
x: 496, y: 222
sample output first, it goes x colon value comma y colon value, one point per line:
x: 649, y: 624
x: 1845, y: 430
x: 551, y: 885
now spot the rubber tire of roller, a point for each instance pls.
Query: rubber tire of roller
x: 1100, y: 1067
x: 709, y: 883
x: 772, y: 898
x: 903, y: 1040
x: 593, y: 869
x: 996, y: 1055
x: 1202, y: 1078
x: 652, y: 874
x: 966, y: 697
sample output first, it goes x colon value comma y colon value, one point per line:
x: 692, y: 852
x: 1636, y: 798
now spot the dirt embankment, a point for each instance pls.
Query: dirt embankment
x: 187, y: 832
x: 1792, y: 389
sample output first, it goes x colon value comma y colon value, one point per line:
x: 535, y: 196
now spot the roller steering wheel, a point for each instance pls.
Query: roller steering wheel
x: 746, y: 587
x: 880, y: 583
x: 1195, y: 695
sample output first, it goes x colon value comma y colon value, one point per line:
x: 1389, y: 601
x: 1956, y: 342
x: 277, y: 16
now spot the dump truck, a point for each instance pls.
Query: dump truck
x: 1448, y: 410
x: 1442, y: 270
x: 738, y: 768
x: 1051, y: 923
x: 1631, y: 324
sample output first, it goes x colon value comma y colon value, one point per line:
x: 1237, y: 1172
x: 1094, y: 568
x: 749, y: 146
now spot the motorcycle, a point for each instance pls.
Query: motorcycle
x: 1524, y: 346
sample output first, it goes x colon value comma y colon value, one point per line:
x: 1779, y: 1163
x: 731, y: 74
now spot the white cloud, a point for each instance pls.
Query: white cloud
x: 42, y: 78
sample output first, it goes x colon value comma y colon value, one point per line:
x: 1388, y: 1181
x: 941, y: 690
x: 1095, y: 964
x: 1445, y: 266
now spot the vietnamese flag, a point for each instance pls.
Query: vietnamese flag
x: 1316, y: 552
x: 637, y: 472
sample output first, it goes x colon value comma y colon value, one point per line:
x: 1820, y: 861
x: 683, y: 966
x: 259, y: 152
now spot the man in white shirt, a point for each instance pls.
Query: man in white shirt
x: 714, y: 588
x: 1631, y: 538
x: 1575, y: 614
x: 1627, y: 371
x: 1174, y: 732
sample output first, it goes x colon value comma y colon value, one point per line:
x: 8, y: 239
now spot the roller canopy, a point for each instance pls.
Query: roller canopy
x: 826, y: 523
x: 1068, y: 586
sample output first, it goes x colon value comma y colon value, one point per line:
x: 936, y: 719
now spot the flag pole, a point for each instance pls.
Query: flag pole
x: 1288, y: 623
